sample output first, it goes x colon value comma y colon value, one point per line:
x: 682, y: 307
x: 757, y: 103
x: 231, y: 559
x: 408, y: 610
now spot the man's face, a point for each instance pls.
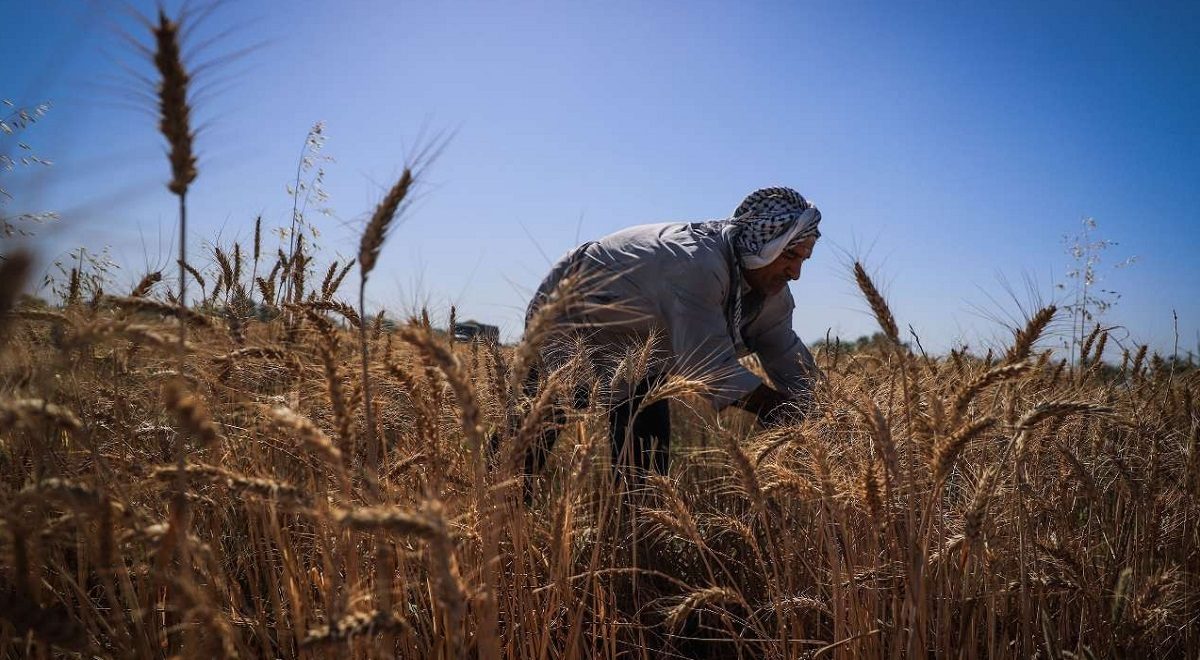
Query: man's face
x: 771, y: 279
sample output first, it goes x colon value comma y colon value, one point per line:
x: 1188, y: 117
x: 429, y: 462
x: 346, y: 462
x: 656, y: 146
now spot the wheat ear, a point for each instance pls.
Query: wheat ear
x: 29, y: 411
x: 544, y: 323
x: 148, y: 305
x: 1044, y: 411
x: 1026, y: 337
x: 142, y: 288
x: 879, y: 306
x: 387, y: 519
x: 677, y: 615
x: 313, y: 438
x: 985, y: 380
x: 362, y: 624
x: 381, y: 222
x: 948, y: 449
x: 173, y: 107
x: 459, y: 380
x: 192, y: 414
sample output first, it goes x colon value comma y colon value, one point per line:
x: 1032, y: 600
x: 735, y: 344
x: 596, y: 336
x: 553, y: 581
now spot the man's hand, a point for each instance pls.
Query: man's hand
x: 771, y: 407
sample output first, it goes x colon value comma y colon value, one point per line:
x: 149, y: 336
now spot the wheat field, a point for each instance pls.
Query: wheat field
x: 955, y: 506
x: 261, y: 469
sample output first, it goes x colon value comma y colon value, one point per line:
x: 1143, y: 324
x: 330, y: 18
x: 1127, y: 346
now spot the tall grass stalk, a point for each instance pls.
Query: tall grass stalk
x: 175, y: 126
x: 373, y: 237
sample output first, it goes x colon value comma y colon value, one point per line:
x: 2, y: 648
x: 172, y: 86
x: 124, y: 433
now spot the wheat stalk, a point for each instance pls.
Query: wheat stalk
x: 368, y: 252
x: 155, y: 307
x: 142, y: 288
x: 361, y: 624
x: 334, y: 387
x: 948, y: 449
x: 267, y: 289
x: 881, y: 436
x: 993, y: 376
x: 680, y: 518
x: 1026, y: 337
x: 531, y: 425
x: 387, y: 519
x: 544, y: 323
x: 327, y: 305
x: 313, y: 438
x: 1052, y: 409
x: 677, y: 615
x: 976, y: 512
x: 192, y: 415
x: 872, y: 491
x: 37, y: 411
x: 441, y: 356
x: 175, y: 126
x: 237, y: 264
x: 325, y: 283
x: 879, y: 306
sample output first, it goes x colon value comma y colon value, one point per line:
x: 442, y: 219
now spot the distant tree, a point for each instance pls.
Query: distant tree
x: 863, y: 342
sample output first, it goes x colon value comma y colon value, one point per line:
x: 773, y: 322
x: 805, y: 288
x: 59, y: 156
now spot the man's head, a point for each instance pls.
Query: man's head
x: 771, y: 279
x: 775, y: 231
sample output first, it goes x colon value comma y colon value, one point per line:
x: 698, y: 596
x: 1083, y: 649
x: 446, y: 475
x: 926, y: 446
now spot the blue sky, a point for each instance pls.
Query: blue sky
x: 949, y: 145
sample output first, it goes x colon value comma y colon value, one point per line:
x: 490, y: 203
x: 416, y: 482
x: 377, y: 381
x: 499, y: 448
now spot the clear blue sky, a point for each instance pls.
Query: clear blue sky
x: 949, y: 145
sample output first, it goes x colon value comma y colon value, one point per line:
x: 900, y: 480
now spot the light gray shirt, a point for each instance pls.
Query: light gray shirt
x: 673, y: 282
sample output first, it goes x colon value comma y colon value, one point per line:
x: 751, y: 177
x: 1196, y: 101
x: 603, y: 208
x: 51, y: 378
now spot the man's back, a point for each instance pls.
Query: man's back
x: 645, y: 265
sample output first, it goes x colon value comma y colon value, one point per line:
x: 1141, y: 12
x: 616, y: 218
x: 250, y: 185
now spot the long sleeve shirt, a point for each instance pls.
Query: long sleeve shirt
x: 671, y: 284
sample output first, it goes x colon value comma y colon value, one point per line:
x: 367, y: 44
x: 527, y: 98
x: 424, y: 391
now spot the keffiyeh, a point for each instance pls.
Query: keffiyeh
x: 770, y: 220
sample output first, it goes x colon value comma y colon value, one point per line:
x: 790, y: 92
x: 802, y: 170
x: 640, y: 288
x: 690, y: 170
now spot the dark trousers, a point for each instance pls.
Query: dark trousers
x: 646, y: 427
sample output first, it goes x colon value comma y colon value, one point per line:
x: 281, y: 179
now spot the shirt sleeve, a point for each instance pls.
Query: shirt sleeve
x: 700, y: 340
x: 782, y: 354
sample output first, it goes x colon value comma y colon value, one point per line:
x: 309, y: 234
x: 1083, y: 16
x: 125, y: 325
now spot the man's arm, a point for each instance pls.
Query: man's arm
x: 700, y: 338
x: 782, y: 354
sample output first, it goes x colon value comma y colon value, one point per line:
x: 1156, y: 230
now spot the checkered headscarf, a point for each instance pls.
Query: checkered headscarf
x: 770, y: 220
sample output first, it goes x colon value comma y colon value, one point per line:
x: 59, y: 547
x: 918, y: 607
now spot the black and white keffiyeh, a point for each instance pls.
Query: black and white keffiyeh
x: 770, y: 220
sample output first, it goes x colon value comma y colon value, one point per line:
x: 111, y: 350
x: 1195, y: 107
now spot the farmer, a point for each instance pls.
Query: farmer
x: 690, y: 298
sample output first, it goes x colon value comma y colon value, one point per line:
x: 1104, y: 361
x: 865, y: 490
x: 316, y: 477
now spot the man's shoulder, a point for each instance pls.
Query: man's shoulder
x: 648, y: 233
x: 666, y: 239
